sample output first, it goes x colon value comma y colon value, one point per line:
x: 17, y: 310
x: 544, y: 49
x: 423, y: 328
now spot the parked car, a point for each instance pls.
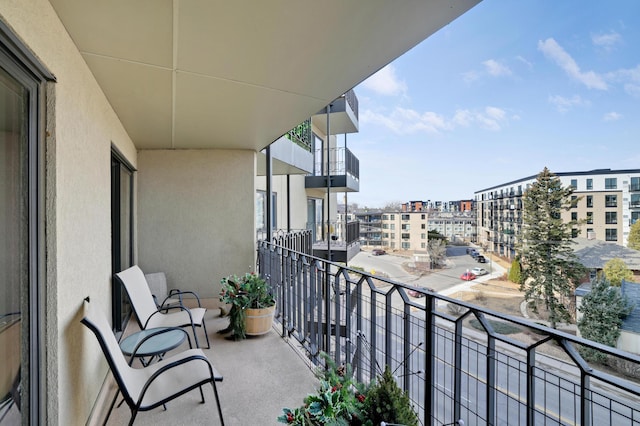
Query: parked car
x: 417, y: 294
x: 479, y: 271
x: 474, y: 254
x: 481, y: 259
x: 378, y: 252
x: 468, y: 276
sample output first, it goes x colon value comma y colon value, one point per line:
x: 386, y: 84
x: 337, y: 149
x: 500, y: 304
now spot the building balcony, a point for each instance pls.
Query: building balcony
x: 451, y: 370
x: 291, y: 153
x: 343, y: 115
x: 343, y: 174
x: 634, y: 187
x: 339, y: 243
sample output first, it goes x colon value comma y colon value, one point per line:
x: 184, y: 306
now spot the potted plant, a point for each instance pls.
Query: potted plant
x: 252, y: 305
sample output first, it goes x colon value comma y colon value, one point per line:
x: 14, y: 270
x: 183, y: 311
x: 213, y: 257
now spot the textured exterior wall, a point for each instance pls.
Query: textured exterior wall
x: 196, y: 219
x: 82, y: 129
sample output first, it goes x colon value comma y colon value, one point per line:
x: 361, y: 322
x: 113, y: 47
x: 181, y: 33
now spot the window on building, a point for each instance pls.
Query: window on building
x: 385, y: 226
x: 392, y: 217
x: 423, y: 226
x: 406, y: 236
x: 589, y: 183
x: 406, y: 226
x: 405, y: 217
x: 385, y: 217
x: 635, y: 184
x: 610, y: 183
x: 574, y: 233
x: 611, y: 234
x: 589, y: 200
x: 406, y: 245
x: 574, y: 215
x: 574, y: 201
x: 574, y: 183
x: 423, y: 245
x: 392, y: 226
x: 634, y: 217
x: 635, y: 201
x: 423, y: 236
x: 423, y: 217
x: 261, y: 211
x: 611, y: 218
x: 611, y: 201
x: 589, y: 217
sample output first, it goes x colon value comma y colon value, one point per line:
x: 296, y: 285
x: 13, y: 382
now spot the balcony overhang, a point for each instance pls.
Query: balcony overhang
x: 339, y: 183
x: 288, y: 158
x: 342, y: 118
x: 213, y: 74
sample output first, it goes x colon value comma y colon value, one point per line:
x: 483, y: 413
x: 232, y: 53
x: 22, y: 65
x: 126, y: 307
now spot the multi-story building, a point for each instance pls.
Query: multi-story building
x: 456, y: 226
x: 608, y: 203
x: 428, y: 205
x: 394, y: 229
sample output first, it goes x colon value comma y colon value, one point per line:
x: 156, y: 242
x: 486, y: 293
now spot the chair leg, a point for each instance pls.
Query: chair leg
x: 204, y: 328
x: 215, y: 392
x: 195, y: 336
x: 115, y: 397
x: 134, y: 413
x: 201, y: 394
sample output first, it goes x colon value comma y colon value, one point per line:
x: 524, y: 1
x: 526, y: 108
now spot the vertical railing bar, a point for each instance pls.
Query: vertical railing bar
x: 338, y: 317
x: 373, y: 333
x: 388, y: 335
x: 491, y: 378
x: 407, y: 340
x: 457, y: 370
x: 531, y: 386
x: 429, y: 362
x: 359, y: 315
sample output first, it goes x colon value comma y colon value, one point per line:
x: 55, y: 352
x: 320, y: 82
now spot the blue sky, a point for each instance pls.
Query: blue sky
x: 503, y: 91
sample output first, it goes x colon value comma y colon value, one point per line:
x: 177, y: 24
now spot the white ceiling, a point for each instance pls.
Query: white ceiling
x: 239, y: 73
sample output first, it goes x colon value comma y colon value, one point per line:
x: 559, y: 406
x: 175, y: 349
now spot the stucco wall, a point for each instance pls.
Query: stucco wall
x: 78, y: 215
x: 196, y: 219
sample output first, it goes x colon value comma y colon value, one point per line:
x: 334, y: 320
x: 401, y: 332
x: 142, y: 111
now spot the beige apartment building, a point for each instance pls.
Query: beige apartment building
x: 608, y: 203
x: 394, y: 230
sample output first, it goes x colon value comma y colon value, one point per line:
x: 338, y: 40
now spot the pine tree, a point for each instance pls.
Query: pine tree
x: 616, y: 270
x: 515, y: 273
x: 550, y: 270
x: 634, y: 236
x: 603, y: 309
x: 386, y: 402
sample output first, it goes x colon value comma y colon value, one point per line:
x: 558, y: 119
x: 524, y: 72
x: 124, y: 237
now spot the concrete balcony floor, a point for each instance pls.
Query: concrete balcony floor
x: 262, y: 374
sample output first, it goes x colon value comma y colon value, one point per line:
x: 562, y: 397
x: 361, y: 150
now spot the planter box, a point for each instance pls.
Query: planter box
x: 259, y: 320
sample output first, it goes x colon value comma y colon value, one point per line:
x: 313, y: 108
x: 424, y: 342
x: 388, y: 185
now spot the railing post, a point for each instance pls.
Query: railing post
x: 491, y: 380
x: 531, y: 386
x: 457, y: 370
x: 429, y: 361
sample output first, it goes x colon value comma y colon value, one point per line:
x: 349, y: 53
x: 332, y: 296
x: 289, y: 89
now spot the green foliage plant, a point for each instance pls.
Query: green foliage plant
x: 550, y: 269
x: 342, y: 400
x: 615, y: 270
x: 515, y: 273
x: 249, y: 291
x: 633, y: 242
x: 603, y: 310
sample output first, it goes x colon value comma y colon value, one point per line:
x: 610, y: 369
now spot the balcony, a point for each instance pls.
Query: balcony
x: 451, y: 370
x: 339, y: 243
x: 344, y: 171
x: 343, y: 115
x: 291, y: 153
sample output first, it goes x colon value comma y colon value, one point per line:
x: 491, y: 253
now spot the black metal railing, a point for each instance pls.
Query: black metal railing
x: 455, y: 360
x: 339, y: 232
x: 352, y: 100
x: 301, y: 134
x: 341, y: 162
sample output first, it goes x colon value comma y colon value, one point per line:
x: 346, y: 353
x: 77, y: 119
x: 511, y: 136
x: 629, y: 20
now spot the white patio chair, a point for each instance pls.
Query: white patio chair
x: 147, y: 312
x: 164, y: 297
x: 146, y: 388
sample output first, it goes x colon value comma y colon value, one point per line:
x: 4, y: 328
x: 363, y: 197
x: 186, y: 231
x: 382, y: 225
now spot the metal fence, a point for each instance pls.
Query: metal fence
x: 455, y: 360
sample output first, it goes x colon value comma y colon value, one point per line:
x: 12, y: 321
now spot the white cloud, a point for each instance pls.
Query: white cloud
x: 552, y: 50
x: 470, y: 76
x: 495, y: 68
x: 606, y: 41
x: 630, y: 78
x: 408, y: 121
x: 524, y: 61
x: 386, y: 82
x: 612, y: 116
x: 565, y: 104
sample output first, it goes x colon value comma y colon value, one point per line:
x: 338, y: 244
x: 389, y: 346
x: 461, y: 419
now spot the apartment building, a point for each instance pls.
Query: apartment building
x: 456, y: 226
x: 393, y: 230
x: 607, y: 200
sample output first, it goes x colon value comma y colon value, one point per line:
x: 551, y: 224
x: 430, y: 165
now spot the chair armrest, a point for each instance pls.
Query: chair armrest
x: 176, y: 292
x: 182, y: 308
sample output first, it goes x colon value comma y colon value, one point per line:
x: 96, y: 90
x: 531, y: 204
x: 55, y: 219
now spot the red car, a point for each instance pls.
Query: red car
x: 468, y: 276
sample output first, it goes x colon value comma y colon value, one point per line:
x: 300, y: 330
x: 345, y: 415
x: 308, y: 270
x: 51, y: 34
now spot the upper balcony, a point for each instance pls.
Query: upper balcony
x: 343, y: 115
x: 291, y: 153
x: 339, y: 243
x: 344, y: 171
